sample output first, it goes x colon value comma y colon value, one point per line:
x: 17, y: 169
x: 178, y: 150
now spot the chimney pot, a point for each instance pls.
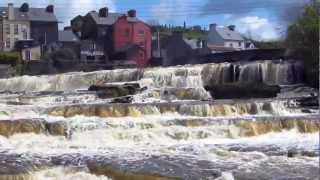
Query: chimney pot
x: 232, y: 27
x: 132, y: 13
x: 50, y: 9
x: 104, y: 12
x: 24, y: 7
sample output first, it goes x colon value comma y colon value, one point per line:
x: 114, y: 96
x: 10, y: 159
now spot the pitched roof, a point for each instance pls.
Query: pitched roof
x: 67, y: 36
x: 228, y: 34
x: 193, y: 43
x: 34, y: 14
x: 109, y: 20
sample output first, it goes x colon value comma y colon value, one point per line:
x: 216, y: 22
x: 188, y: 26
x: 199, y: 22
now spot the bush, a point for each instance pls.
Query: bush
x: 60, y: 55
x: 9, y: 58
x: 303, y: 41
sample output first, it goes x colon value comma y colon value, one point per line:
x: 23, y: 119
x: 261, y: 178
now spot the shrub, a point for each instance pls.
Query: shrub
x: 9, y: 58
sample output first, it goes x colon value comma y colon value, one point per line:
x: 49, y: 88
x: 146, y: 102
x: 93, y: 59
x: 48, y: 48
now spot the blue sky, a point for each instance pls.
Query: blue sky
x: 261, y: 19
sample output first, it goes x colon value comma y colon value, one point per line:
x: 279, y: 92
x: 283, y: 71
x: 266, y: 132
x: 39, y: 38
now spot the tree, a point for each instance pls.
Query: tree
x: 303, y: 41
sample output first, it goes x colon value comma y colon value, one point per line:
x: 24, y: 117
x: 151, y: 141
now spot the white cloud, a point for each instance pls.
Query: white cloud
x: 259, y: 28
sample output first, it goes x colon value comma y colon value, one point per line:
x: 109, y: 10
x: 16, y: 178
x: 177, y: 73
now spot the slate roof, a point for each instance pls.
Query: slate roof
x: 193, y: 43
x: 110, y: 19
x: 67, y: 36
x: 227, y: 34
x: 34, y: 14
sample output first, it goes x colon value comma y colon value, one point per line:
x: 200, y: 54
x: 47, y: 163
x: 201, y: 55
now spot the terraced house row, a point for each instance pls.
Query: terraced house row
x: 99, y: 37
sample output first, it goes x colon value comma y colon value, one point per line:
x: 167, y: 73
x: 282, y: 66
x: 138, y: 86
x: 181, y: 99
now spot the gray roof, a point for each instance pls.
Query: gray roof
x: 34, y: 14
x: 193, y: 43
x: 67, y: 36
x: 227, y: 34
x: 110, y: 19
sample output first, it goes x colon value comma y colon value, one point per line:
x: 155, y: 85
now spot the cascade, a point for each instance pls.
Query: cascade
x: 51, y: 127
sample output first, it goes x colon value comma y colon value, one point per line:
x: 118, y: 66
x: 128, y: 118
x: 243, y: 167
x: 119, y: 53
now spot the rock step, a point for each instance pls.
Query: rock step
x: 37, y: 126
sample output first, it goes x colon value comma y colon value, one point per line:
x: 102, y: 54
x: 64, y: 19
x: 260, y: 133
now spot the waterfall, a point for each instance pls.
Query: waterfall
x: 269, y: 72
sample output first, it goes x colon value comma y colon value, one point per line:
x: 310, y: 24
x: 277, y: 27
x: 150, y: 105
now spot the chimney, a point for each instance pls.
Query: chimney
x: 104, y: 12
x: 10, y: 11
x: 132, y: 13
x: 232, y: 27
x: 24, y: 7
x: 50, y: 9
x: 213, y: 26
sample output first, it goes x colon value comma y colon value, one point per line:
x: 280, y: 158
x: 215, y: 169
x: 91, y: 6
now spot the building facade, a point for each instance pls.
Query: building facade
x: 24, y: 23
x: 133, y: 37
x: 119, y: 36
x: 225, y: 38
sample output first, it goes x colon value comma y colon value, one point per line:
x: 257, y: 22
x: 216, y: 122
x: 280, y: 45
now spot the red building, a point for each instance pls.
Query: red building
x: 132, y: 37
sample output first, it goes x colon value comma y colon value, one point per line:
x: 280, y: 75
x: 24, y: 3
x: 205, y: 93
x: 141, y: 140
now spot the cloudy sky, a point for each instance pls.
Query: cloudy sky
x: 261, y: 19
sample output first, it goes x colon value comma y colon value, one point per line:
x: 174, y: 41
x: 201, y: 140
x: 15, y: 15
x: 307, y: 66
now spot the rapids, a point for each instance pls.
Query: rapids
x: 52, y: 128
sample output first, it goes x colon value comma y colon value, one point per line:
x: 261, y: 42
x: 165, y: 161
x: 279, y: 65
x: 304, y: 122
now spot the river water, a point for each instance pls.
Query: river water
x: 52, y: 128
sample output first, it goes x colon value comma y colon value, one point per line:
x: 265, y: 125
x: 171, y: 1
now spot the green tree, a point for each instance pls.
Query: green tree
x: 303, y: 41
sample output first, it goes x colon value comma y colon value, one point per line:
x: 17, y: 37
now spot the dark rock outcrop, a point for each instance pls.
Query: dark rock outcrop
x: 115, y: 91
x: 237, y: 90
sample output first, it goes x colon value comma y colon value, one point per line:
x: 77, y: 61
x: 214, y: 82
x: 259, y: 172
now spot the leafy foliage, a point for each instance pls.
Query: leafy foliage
x: 303, y: 40
x: 9, y: 57
x: 61, y: 54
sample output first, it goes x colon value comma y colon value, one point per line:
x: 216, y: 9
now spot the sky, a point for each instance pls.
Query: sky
x: 259, y: 19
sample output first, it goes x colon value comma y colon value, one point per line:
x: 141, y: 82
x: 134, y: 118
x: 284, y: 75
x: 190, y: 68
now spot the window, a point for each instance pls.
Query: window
x: 127, y: 32
x: 8, y: 44
x: 28, y: 55
x: 141, y: 44
x: 16, y: 29
x: 141, y: 32
x: 24, y: 33
x: 240, y: 44
x: 8, y: 28
x: 231, y: 45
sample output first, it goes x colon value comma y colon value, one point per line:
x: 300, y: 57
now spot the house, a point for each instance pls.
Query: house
x: 133, y: 38
x: 68, y: 40
x: 250, y: 45
x: 30, y: 50
x: 92, y: 52
x: 118, y: 36
x: 224, y: 39
x: 175, y: 50
x: 95, y: 30
x: 24, y: 23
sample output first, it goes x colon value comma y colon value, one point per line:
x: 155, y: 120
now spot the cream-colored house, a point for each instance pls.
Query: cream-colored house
x: 15, y: 27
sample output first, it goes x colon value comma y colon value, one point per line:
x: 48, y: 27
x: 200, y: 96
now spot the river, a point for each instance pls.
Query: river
x: 52, y: 128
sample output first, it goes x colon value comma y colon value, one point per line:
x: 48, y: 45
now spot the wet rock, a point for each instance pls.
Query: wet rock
x: 309, y: 101
x: 59, y: 128
x: 185, y: 94
x: 125, y: 99
x: 237, y: 90
x: 113, y: 173
x: 114, y: 91
x: 11, y: 127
